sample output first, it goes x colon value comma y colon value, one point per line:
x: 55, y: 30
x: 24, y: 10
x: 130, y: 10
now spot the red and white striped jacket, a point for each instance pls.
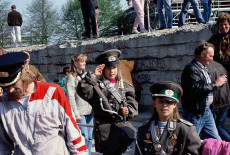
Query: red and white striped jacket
x: 45, y: 126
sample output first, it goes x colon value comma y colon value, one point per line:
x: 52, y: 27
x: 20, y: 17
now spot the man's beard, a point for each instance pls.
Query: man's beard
x: 16, y: 94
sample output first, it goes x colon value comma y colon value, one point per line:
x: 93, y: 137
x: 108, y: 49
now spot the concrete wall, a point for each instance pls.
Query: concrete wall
x: 159, y: 55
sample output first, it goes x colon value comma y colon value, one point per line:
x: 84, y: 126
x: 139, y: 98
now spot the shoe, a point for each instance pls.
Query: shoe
x: 162, y: 28
x: 20, y: 44
x: 143, y: 31
x: 134, y: 31
x: 85, y: 37
x: 204, y: 23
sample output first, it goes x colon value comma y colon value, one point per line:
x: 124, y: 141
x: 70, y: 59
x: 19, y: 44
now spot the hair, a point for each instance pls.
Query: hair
x: 118, y: 77
x: 27, y: 78
x: 13, y: 6
x: 203, y: 47
x: 76, y: 58
x: 66, y: 69
x: 224, y: 16
x: 3, y: 51
x: 175, y: 115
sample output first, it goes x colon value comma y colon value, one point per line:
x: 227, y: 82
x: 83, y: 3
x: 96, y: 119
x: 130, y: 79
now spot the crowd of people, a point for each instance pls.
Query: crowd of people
x: 37, y: 117
x: 90, y: 12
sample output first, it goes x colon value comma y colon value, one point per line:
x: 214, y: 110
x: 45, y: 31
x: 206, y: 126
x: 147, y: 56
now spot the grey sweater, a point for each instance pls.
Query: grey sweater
x: 79, y: 106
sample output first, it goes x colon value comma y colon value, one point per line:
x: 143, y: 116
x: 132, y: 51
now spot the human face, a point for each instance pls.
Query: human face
x: 208, y: 57
x: 16, y: 91
x: 0, y: 52
x: 80, y: 65
x: 164, y: 108
x: 224, y: 26
x: 110, y: 72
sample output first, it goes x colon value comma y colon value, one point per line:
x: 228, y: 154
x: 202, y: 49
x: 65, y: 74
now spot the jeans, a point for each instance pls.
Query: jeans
x: 168, y: 9
x: 220, y: 116
x: 204, y: 124
x: 207, y: 5
x: 16, y: 35
x: 87, y: 132
x: 139, y: 8
x: 184, y: 10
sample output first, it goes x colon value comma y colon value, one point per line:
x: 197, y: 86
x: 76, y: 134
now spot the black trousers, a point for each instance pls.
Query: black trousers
x: 88, y: 12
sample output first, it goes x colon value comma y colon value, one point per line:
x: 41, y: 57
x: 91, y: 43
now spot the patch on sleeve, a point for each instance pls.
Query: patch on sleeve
x: 186, y: 122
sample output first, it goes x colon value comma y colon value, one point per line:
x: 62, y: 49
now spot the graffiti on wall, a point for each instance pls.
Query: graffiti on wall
x: 153, y: 64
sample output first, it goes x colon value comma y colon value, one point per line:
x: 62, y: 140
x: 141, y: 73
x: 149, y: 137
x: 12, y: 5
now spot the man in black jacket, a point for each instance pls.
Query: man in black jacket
x: 15, y: 21
x: 198, y: 91
x: 221, y: 99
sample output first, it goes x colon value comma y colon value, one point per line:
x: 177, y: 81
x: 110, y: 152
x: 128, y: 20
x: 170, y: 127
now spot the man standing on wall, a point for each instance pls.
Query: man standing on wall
x: 198, y: 91
x: 88, y: 12
x: 185, y: 6
x: 15, y: 21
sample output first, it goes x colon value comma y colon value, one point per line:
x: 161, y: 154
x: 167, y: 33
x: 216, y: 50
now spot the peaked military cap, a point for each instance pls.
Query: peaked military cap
x: 11, y: 65
x: 109, y: 57
x: 168, y: 90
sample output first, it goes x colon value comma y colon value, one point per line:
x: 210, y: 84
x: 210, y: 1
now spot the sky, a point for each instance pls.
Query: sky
x: 21, y: 5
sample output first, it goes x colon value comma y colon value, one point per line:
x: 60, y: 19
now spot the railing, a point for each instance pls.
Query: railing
x: 217, y: 7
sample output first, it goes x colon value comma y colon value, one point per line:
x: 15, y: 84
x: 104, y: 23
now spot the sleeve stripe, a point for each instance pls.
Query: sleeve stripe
x: 84, y: 147
x: 76, y: 141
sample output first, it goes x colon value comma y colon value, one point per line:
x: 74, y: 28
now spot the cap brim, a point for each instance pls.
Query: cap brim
x: 113, y: 63
x: 171, y: 99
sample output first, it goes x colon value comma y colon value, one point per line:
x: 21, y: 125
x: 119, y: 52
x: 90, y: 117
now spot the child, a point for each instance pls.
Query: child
x: 113, y: 104
x: 166, y: 132
x: 62, y: 81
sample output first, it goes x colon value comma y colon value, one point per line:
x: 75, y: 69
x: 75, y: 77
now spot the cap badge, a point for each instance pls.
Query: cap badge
x: 4, y: 74
x: 111, y: 58
x: 169, y: 92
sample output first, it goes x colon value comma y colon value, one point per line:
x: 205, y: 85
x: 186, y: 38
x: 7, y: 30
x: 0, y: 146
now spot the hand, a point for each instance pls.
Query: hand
x: 129, y: 3
x: 221, y: 80
x: 78, y: 118
x: 98, y: 70
x: 125, y: 111
x: 148, y: 1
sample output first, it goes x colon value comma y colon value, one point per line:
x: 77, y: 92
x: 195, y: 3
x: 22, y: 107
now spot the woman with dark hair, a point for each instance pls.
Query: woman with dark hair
x: 112, y: 99
x: 166, y: 132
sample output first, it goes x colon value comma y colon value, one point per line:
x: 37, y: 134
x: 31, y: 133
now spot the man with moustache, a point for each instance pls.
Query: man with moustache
x: 35, y: 117
x: 198, y: 91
